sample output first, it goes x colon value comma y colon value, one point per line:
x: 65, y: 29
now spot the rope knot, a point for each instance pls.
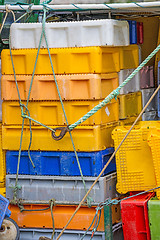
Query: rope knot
x: 52, y: 202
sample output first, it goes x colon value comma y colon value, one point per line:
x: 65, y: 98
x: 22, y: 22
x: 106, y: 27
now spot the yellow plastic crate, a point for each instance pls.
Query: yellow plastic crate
x: 3, y: 192
x: 130, y: 105
x: 71, y: 60
x: 2, y: 162
x: 51, y: 113
x: 86, y: 138
x: 72, y: 87
x: 154, y: 143
x: 135, y: 170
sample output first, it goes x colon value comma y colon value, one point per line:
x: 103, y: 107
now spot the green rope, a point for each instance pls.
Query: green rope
x: 115, y: 92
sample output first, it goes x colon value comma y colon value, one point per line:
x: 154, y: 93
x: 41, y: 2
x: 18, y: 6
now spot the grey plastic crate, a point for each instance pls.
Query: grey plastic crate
x: 150, y: 116
x: 146, y: 94
x: 35, y: 234
x: 65, y: 189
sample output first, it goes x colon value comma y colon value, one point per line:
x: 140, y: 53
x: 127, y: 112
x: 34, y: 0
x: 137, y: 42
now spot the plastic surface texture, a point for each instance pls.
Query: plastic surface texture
x: 71, y: 60
x: 147, y: 77
x: 86, y: 138
x: 130, y: 105
x: 36, y: 233
x: 51, y: 113
x: 60, y: 163
x: 132, y: 31
x: 62, y: 214
x: 154, y: 143
x: 64, y: 189
x: 135, y: 170
x: 3, y: 208
x: 133, y: 85
x: 146, y: 95
x: 72, y: 87
x: 2, y: 163
x: 158, y: 80
x: 150, y: 116
x: 154, y: 215
x: 104, y: 32
x: 134, y: 214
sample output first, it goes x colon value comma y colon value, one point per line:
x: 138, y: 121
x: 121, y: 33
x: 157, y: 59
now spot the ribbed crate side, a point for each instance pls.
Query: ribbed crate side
x: 63, y: 189
x: 60, y: 163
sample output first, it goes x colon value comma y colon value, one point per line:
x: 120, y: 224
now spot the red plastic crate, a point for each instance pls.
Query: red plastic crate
x: 139, y: 33
x: 134, y: 215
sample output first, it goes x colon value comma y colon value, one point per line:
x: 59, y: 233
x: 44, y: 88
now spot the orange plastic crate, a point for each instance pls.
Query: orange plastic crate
x: 72, y: 87
x: 61, y: 213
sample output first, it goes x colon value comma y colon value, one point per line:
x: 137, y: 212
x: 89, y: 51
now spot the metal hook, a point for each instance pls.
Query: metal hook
x: 62, y: 133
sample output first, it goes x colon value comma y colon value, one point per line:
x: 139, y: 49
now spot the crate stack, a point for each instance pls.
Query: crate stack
x: 147, y: 84
x: 86, y: 71
x: 138, y: 164
x: 130, y: 98
x: 2, y: 157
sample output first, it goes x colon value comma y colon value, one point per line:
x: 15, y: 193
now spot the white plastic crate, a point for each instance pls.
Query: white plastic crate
x: 62, y: 188
x: 133, y: 85
x: 107, y: 32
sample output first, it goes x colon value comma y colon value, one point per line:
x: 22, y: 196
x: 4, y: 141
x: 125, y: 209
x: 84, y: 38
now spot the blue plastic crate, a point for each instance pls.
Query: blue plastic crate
x: 133, y: 31
x: 4, y: 209
x: 158, y: 97
x: 60, y: 163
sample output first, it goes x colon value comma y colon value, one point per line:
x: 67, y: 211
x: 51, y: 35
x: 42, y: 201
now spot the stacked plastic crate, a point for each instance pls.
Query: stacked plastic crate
x: 2, y: 158
x: 147, y: 89
x: 130, y: 98
x: 91, y: 73
x: 138, y: 164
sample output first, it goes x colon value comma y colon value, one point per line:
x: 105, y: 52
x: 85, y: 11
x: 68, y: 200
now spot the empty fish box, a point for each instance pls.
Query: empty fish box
x: 71, y: 87
x: 62, y: 213
x: 103, y: 32
x: 130, y: 105
x: 132, y: 31
x: 133, y: 85
x: 134, y: 214
x: 86, y: 138
x: 60, y: 163
x: 71, y: 60
x: 63, y: 189
x: 154, y: 215
x: 147, y: 77
x: 36, y: 233
x: 51, y: 113
x: 134, y: 164
x: 146, y: 94
x: 150, y: 116
x: 154, y: 143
